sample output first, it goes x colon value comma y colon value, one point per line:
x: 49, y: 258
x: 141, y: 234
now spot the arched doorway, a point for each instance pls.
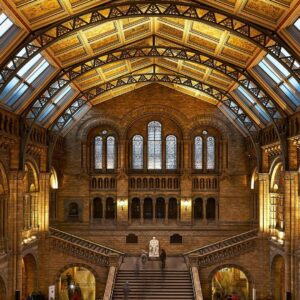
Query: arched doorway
x: 148, y: 208
x: 230, y: 281
x: 2, y: 289
x: 211, y: 209
x: 172, y: 214
x: 77, y: 281
x: 198, y: 209
x: 29, y: 275
x: 160, y: 208
x: 97, y: 208
x: 135, y: 208
x: 110, y: 208
x: 278, y: 278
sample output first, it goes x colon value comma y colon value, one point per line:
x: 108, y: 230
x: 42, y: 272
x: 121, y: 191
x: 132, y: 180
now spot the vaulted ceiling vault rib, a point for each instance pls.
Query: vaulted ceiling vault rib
x: 180, y: 79
x: 43, y: 38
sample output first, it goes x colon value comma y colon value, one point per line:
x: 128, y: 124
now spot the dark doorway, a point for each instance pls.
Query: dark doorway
x: 160, y: 208
x: 172, y: 208
x: 211, y: 209
x: 110, y: 208
x: 135, y: 208
x: 97, y: 208
x: 198, y: 209
x: 148, y: 208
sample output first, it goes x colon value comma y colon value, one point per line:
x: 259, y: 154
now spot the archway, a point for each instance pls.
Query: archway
x: 230, y: 281
x: 53, y: 195
x: 97, y: 208
x: 78, y: 281
x: 148, y: 208
x: 2, y: 289
x: 135, y: 208
x: 160, y: 208
x: 110, y: 208
x: 278, y: 278
x: 29, y: 275
x: 198, y: 209
x: 172, y: 213
x: 211, y: 209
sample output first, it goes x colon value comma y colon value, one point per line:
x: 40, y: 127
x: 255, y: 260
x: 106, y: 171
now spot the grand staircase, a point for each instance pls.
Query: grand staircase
x: 81, y: 248
x: 230, y: 247
x: 150, y: 282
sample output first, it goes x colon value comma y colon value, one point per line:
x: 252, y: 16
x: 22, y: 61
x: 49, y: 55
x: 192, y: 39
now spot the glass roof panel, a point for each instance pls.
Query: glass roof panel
x: 5, y: 24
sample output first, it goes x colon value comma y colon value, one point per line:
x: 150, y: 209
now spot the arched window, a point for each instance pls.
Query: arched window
x: 137, y: 152
x: 198, y: 153
x: 210, y: 147
x: 110, y: 152
x: 98, y: 148
x: 171, y: 152
x: 97, y: 208
x: 154, y: 145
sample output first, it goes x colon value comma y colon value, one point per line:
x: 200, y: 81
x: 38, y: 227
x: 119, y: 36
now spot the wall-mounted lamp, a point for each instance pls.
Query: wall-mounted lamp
x: 185, y: 204
x: 122, y: 203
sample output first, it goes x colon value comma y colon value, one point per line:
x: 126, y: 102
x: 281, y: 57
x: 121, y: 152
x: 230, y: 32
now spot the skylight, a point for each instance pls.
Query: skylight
x: 252, y: 102
x: 282, y: 78
x: 297, y: 24
x: 5, y: 24
x: 26, y: 78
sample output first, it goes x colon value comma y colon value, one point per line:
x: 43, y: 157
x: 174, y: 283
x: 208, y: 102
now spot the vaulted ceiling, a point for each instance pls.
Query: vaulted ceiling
x: 102, y: 49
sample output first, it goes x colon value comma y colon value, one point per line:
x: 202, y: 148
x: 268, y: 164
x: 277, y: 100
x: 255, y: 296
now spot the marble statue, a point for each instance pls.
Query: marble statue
x: 154, y: 247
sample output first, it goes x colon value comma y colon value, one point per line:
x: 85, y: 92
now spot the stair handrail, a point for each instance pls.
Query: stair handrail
x: 80, y: 238
x: 196, y: 283
x: 110, y: 283
x: 219, y: 243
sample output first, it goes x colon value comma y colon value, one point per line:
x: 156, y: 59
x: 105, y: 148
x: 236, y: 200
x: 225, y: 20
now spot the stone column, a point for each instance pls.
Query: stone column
x: 142, y: 211
x: 43, y: 201
x: 264, y: 203
x: 291, y: 219
x: 154, y: 211
x: 204, y: 203
x: 103, y: 211
x: 15, y: 228
x: 166, y: 211
x: 129, y: 211
x: 178, y: 211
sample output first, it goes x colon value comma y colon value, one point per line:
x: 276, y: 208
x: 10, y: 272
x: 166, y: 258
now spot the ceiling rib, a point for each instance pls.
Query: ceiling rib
x: 43, y: 38
x: 71, y: 73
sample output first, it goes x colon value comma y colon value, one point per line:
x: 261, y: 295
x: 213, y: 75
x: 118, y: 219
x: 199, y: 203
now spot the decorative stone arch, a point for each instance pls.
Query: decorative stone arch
x: 29, y: 273
x: 33, y: 165
x: 277, y: 276
x: 236, y: 266
x: 274, y: 168
x: 211, y: 121
x: 3, y: 288
x: 72, y: 265
x: 94, y: 122
x: 160, y: 110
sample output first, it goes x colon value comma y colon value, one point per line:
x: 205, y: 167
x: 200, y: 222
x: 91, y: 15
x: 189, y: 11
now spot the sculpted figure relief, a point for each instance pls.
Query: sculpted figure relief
x: 154, y: 247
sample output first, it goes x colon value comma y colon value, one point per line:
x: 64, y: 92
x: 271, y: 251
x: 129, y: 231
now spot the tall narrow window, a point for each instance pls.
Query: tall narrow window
x: 154, y: 145
x: 137, y: 152
x: 110, y: 154
x: 198, y: 153
x: 171, y: 152
x: 98, y: 152
x: 5, y: 24
x: 210, y: 146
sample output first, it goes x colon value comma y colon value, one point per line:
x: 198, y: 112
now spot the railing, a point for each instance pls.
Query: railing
x: 154, y: 183
x: 206, y: 183
x: 82, y: 248
x: 103, y: 183
x: 232, y: 246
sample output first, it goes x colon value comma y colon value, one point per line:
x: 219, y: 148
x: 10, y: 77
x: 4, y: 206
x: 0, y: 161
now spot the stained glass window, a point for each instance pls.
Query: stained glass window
x: 210, y: 146
x: 137, y: 152
x: 198, y: 153
x: 98, y: 152
x: 171, y: 152
x: 110, y: 152
x: 154, y: 145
